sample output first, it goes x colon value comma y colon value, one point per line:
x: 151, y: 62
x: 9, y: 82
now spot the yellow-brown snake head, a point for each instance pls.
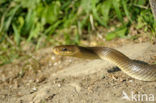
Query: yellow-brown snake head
x: 75, y: 51
x: 66, y: 50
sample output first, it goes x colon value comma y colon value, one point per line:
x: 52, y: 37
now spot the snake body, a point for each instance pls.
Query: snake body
x: 135, y: 69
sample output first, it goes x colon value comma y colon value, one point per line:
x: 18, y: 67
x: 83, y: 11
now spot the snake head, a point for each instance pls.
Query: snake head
x: 65, y: 50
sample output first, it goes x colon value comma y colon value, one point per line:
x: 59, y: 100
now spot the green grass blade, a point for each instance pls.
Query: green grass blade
x: 125, y: 6
x: 105, y: 10
x: 29, y: 22
x: 119, y: 32
x: 17, y: 34
x: 116, y: 5
x: 11, y: 16
x: 95, y: 12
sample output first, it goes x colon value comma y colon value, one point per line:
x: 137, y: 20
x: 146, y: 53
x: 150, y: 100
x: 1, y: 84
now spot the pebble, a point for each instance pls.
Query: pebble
x: 34, y: 89
x: 59, y: 85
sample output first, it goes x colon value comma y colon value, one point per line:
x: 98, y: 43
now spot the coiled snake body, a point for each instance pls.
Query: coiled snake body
x: 135, y: 69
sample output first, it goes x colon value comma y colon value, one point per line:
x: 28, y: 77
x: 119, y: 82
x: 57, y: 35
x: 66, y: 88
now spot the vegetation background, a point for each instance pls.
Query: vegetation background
x: 41, y: 22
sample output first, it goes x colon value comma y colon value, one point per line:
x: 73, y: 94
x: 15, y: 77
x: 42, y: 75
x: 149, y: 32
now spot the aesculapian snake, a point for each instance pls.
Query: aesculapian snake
x: 138, y: 70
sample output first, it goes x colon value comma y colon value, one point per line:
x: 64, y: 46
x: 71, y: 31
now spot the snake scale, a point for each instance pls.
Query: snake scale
x: 135, y: 69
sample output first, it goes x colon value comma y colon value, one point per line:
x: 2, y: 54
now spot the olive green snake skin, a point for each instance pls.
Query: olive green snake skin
x: 135, y: 69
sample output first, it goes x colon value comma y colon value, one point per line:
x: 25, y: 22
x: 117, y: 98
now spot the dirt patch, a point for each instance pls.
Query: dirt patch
x: 50, y: 79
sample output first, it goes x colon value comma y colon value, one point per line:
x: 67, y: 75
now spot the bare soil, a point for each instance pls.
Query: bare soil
x: 42, y: 77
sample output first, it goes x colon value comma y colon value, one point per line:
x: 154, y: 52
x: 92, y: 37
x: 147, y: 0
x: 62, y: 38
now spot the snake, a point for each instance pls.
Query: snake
x: 133, y: 68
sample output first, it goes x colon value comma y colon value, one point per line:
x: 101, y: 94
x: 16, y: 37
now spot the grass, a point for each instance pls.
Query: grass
x: 31, y: 20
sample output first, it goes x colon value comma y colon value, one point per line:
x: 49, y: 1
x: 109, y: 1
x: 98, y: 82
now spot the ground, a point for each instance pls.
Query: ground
x: 43, y: 77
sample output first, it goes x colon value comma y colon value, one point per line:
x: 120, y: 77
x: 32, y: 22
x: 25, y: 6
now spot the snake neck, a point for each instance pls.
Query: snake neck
x: 105, y: 53
x: 113, y: 56
x: 86, y: 53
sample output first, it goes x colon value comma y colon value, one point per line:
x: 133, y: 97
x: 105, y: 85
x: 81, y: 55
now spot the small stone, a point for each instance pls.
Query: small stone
x: 55, y: 64
x: 131, y: 81
x: 34, y: 89
x: 53, y: 57
x: 59, y: 85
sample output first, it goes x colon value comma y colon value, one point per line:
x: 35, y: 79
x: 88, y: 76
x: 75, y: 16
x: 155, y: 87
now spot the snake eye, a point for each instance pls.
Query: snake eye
x: 64, y: 49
